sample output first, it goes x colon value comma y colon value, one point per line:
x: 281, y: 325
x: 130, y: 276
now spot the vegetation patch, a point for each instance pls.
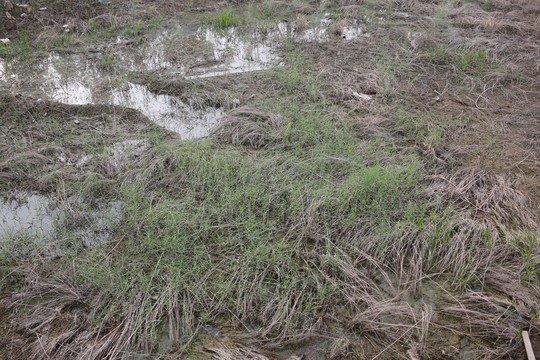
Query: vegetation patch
x: 352, y: 203
x: 224, y: 18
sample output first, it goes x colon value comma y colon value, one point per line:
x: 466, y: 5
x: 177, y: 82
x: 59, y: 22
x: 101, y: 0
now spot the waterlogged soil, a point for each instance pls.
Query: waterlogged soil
x: 91, y: 78
x: 40, y: 222
x: 104, y: 76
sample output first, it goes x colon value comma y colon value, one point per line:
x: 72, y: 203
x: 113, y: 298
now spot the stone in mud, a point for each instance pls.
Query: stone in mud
x: 465, y: 352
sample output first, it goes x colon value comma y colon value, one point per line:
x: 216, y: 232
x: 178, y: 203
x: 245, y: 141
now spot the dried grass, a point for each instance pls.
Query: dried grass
x: 472, y: 16
x: 497, y: 32
x: 489, y: 317
x: 336, y: 28
x: 301, y: 23
x: 249, y: 127
x: 236, y: 353
x: 415, y: 6
x: 492, y: 198
x: 62, y: 323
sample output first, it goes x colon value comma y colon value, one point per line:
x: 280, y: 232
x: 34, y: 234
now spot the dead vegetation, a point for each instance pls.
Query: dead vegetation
x: 488, y: 316
x: 46, y: 157
x: 249, y: 127
x: 496, y: 32
x: 492, y: 198
x: 61, y: 325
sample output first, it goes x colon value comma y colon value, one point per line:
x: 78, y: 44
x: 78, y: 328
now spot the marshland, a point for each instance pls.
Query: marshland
x: 269, y: 180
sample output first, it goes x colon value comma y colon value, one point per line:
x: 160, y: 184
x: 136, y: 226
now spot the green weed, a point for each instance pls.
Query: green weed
x: 223, y: 19
x: 473, y: 63
x: 22, y: 48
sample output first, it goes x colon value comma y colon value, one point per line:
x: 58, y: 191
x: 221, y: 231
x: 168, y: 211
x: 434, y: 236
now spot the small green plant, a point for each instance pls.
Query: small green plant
x: 439, y: 55
x: 107, y: 62
x: 132, y: 30
x: 474, y: 62
x: 466, y: 62
x: 157, y: 21
x: 21, y: 47
x: 223, y: 19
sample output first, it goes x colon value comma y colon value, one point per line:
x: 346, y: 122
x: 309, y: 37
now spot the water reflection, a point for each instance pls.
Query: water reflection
x: 75, y: 80
x: 28, y: 213
x: 39, y: 218
x: 79, y: 79
x: 242, y: 53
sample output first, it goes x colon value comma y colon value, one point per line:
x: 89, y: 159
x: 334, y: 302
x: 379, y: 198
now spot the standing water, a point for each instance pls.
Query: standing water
x: 79, y: 79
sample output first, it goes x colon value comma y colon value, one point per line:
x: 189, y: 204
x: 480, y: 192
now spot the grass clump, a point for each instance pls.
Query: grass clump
x: 473, y: 63
x: 267, y: 11
x: 223, y: 19
x: 22, y: 47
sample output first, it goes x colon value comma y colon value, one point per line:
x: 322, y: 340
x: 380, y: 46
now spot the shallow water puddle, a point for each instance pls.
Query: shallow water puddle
x: 258, y: 50
x: 241, y: 53
x: 38, y: 219
x: 26, y: 213
x: 79, y: 79
x: 74, y: 80
x: 168, y: 111
x: 320, y: 32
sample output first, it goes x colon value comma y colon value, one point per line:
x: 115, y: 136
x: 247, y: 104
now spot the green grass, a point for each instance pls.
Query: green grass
x: 223, y: 19
x: 22, y: 48
x: 473, y: 63
x: 128, y: 31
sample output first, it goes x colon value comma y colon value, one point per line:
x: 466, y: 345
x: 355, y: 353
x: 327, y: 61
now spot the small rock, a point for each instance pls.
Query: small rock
x: 77, y: 311
x: 42, y: 9
x: 76, y: 122
x: 5, y: 41
x: 465, y: 353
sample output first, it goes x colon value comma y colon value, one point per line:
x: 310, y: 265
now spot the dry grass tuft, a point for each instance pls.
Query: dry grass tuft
x: 497, y: 32
x: 236, y: 353
x: 489, y: 317
x: 60, y: 317
x: 372, y: 126
x: 337, y: 27
x: 491, y: 198
x: 249, y: 127
x: 472, y: 16
x: 415, y: 6
x: 301, y: 23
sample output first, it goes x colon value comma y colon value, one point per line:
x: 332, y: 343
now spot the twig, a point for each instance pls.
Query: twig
x: 528, y: 345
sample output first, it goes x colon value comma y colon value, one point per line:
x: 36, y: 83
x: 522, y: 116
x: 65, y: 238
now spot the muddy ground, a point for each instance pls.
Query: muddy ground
x: 269, y: 180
